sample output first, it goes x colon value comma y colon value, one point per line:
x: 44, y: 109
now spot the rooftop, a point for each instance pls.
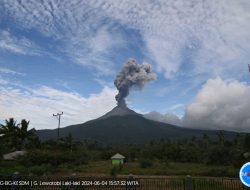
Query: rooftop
x: 117, y: 156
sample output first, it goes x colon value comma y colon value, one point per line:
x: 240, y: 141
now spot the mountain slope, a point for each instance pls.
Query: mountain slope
x: 131, y: 128
x: 119, y: 111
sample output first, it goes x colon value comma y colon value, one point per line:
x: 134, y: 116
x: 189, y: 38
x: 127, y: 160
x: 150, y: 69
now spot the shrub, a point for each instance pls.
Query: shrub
x: 218, y: 172
x: 145, y: 163
x: 40, y: 170
x: 8, y: 171
x: 1, y: 157
x: 79, y: 158
x: 114, y: 171
x: 54, y: 158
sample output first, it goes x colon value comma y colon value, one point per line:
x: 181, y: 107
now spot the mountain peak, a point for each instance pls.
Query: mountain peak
x: 119, y: 111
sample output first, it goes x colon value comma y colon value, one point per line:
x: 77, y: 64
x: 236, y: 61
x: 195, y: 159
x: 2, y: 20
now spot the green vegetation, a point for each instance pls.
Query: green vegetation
x: 15, y: 136
x: 197, y: 156
x: 146, y: 163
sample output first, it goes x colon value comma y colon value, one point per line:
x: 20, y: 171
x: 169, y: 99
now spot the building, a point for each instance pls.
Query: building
x: 117, y: 159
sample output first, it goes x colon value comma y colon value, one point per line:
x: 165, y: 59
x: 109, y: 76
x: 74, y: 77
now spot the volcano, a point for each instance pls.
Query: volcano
x: 119, y: 111
x: 125, y: 126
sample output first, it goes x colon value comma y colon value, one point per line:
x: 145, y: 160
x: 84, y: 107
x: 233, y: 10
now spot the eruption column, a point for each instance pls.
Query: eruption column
x: 132, y: 74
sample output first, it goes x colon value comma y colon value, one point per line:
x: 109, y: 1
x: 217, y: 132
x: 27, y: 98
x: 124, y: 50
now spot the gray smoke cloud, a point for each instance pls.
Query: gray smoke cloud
x: 132, y: 74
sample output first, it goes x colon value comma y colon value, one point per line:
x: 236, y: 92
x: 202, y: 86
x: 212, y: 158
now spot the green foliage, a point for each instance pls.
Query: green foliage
x: 68, y: 154
x: 115, y: 170
x: 1, y: 150
x: 219, y: 155
x: 218, y: 172
x: 247, y: 142
x: 146, y: 163
x: 54, y: 158
x: 15, y: 136
x: 39, y: 170
x: 9, y: 169
x: 8, y: 134
x: 106, y: 155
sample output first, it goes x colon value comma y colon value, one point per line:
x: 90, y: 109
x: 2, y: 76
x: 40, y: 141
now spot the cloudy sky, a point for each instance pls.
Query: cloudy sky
x: 58, y: 55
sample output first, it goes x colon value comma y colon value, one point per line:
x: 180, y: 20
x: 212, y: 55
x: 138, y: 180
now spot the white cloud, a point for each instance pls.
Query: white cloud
x: 103, y: 83
x: 93, y: 49
x: 9, y: 42
x: 215, y: 34
x: 3, y: 81
x: 176, y: 106
x: 10, y: 71
x: 38, y: 105
x: 78, y: 28
x: 220, y: 105
x: 165, y: 118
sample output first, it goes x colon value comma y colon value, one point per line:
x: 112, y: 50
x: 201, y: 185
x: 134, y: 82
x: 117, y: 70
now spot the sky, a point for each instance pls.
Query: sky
x: 58, y: 55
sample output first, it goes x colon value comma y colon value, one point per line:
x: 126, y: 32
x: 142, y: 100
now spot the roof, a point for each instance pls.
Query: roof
x: 117, y: 156
x: 13, y: 155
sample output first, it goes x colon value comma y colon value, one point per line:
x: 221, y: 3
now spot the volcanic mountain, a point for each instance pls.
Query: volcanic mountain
x: 123, y: 125
x: 119, y: 111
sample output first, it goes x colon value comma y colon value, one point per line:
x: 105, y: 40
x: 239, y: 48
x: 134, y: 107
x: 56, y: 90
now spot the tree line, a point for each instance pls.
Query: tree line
x: 15, y: 136
x: 47, y: 156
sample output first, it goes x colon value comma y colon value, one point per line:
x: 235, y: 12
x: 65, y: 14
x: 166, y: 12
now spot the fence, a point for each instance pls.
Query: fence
x: 18, y: 182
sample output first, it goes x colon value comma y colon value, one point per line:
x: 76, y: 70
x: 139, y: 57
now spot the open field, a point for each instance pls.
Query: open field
x: 170, y: 176
x: 105, y: 167
x: 170, y: 169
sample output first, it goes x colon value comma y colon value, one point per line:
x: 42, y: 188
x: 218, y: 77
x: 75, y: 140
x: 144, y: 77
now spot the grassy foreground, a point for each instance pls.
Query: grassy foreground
x: 105, y: 167
x: 172, y: 168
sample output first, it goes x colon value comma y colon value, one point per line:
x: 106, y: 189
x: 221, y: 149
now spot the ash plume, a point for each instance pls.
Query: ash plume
x: 132, y: 74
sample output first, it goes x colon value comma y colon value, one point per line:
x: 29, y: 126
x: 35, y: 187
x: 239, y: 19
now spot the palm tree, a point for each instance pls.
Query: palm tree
x: 14, y: 135
x: 24, y: 134
x: 9, y: 127
x: 8, y: 133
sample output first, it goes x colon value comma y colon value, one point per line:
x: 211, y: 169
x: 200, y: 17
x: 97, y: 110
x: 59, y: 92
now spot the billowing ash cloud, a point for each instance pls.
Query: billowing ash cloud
x: 169, y: 118
x: 220, y: 105
x: 132, y: 74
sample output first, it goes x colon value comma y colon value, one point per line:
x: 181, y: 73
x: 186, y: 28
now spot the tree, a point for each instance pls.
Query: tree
x: 205, y: 140
x: 9, y: 127
x: 221, y: 138
x: 247, y: 142
x: 8, y: 133
x: 68, y: 142
x: 24, y: 134
x: 194, y: 139
x: 237, y: 140
x: 14, y: 135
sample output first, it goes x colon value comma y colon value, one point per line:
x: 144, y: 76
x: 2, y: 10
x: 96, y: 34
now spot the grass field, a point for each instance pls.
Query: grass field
x: 170, y: 169
x: 156, y: 177
x: 104, y: 168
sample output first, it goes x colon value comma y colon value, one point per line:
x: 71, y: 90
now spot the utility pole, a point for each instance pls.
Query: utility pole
x: 58, y: 116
